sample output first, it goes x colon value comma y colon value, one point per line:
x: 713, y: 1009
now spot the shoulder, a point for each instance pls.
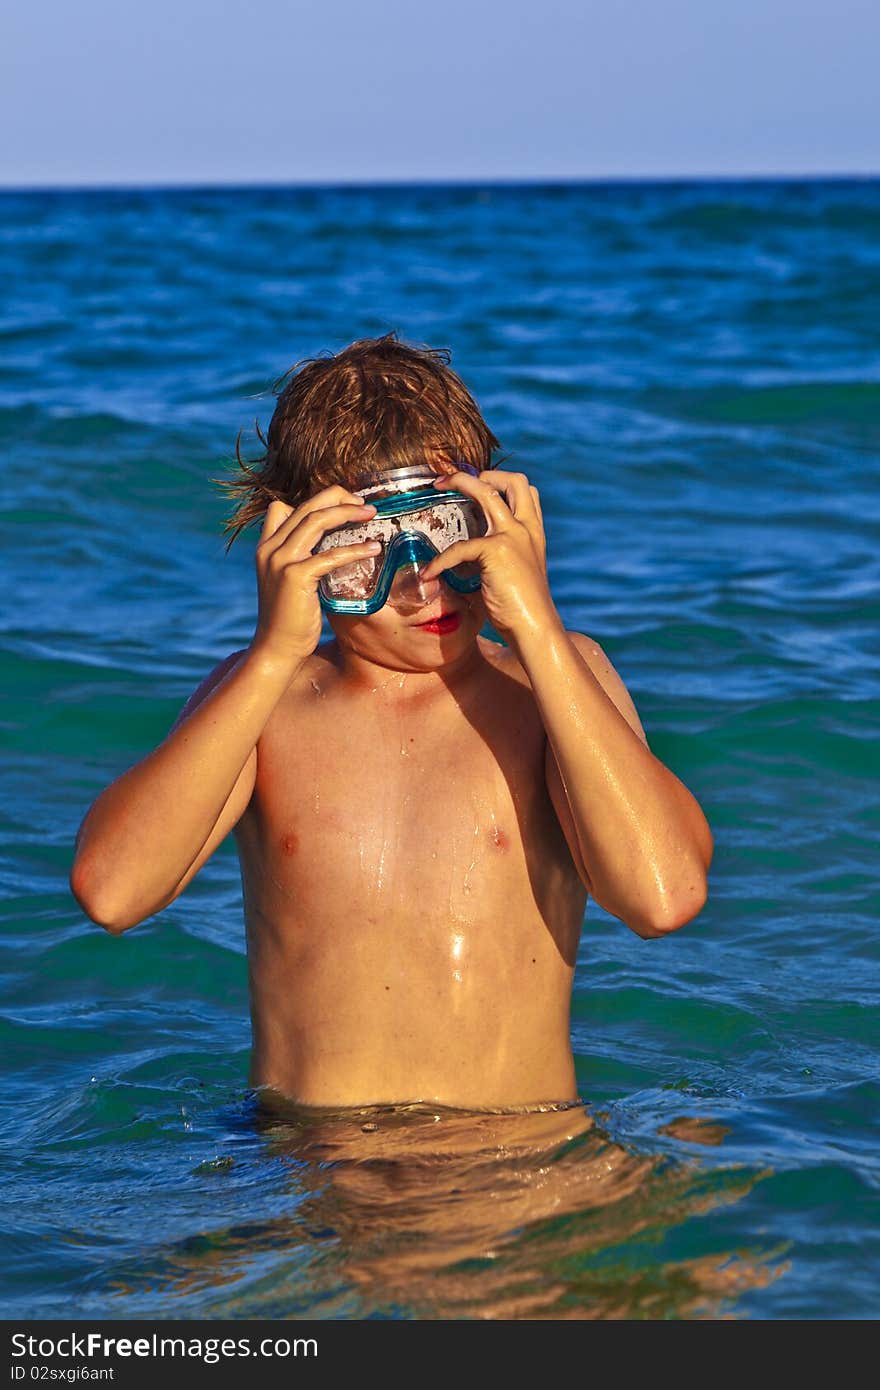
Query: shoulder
x: 600, y: 666
x: 593, y: 657
x: 501, y: 658
x: 211, y: 680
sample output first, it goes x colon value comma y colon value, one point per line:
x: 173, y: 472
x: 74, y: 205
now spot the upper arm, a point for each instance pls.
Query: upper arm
x: 239, y: 797
x: 598, y: 663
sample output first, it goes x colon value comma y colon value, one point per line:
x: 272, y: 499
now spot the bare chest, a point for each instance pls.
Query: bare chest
x: 380, y: 808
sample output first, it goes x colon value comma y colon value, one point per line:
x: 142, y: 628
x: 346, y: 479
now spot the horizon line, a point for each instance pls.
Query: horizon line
x: 326, y: 185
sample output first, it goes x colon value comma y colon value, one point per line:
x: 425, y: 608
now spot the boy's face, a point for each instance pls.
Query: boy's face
x: 423, y: 625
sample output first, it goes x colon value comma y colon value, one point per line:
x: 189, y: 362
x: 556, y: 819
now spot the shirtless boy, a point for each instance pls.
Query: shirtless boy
x: 420, y: 812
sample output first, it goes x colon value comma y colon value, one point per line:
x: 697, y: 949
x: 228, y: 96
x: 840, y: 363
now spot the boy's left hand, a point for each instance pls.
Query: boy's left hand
x: 512, y: 554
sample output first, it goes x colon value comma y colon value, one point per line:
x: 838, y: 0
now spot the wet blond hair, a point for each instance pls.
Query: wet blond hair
x: 379, y: 403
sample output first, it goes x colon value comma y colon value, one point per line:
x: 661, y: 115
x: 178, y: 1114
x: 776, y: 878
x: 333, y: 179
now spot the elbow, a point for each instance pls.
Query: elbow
x: 673, y: 910
x: 98, y: 904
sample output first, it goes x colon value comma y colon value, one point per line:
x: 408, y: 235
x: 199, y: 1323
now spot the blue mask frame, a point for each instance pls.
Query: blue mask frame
x: 407, y: 548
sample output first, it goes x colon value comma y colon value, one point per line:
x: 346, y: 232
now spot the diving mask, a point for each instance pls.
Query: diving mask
x: 413, y: 523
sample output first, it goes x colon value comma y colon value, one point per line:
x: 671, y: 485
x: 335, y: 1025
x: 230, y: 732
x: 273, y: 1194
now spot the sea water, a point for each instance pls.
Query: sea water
x: 690, y: 374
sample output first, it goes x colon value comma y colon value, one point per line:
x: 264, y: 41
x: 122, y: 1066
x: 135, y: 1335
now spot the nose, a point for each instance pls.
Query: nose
x: 410, y: 591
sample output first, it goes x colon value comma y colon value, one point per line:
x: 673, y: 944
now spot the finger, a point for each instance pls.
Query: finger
x: 523, y: 500
x: 457, y: 554
x: 330, y: 497
x: 540, y: 535
x: 495, y: 509
x: 303, y: 540
x: 329, y: 560
x: 300, y: 533
x: 276, y: 514
x: 281, y: 514
x: 516, y: 489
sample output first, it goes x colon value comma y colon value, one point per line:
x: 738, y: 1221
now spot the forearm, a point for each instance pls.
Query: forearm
x: 145, y: 831
x: 643, y: 838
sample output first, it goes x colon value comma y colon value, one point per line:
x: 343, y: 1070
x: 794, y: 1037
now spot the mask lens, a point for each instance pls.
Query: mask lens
x: 409, y: 590
x: 447, y: 522
x: 356, y: 580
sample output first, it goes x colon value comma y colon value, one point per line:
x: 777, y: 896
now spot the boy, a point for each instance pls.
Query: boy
x: 420, y: 813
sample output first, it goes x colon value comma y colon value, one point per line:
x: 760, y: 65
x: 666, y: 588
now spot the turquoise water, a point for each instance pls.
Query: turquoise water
x: 690, y: 373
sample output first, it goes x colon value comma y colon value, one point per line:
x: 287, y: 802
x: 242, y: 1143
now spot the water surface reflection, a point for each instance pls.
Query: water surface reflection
x: 423, y: 1212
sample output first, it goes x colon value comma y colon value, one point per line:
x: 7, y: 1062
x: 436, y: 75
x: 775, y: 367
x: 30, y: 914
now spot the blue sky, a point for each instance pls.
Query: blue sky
x: 223, y: 91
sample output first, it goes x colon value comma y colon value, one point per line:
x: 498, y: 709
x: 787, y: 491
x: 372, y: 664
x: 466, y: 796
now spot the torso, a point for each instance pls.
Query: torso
x: 412, y: 907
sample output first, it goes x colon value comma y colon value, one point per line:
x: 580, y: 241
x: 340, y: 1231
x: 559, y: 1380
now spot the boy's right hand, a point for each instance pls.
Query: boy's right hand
x: 289, y: 621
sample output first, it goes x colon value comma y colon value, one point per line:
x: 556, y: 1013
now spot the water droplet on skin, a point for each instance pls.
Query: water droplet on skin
x: 377, y: 689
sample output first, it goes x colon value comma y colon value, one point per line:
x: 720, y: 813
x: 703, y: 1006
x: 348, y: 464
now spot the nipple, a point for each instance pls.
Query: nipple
x: 411, y: 591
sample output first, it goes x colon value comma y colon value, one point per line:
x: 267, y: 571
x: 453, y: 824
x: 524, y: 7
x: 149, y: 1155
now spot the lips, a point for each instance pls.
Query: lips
x: 443, y: 623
